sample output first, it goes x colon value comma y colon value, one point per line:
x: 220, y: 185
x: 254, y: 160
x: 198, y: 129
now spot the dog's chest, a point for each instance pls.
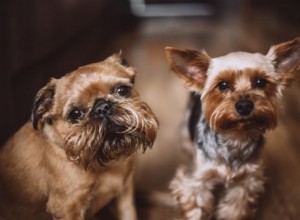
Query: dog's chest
x: 106, y: 187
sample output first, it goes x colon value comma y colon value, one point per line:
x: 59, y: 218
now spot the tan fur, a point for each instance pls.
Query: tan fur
x: 70, y: 170
x: 226, y: 178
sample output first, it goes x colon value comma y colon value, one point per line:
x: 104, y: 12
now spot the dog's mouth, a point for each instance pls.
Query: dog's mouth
x: 114, y: 127
x: 247, y: 124
x: 121, y: 142
x: 119, y: 139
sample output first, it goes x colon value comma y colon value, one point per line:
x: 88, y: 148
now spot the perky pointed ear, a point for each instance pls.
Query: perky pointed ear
x: 42, y: 103
x: 286, y: 58
x: 117, y: 58
x: 190, y: 65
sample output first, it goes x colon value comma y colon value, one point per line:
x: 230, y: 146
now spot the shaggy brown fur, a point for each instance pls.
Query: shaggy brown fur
x: 79, y: 153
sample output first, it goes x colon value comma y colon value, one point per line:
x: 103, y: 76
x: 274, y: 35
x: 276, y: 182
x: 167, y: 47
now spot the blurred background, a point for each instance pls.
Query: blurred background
x: 44, y: 39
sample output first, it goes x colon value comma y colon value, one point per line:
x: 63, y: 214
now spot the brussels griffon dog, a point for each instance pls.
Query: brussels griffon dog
x: 236, y: 99
x: 77, y: 153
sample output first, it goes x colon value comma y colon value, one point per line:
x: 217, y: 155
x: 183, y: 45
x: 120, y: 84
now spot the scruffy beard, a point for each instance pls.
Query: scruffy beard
x: 129, y: 128
x: 224, y: 118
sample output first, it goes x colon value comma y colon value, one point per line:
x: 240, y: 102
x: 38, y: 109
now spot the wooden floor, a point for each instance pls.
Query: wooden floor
x: 144, y: 49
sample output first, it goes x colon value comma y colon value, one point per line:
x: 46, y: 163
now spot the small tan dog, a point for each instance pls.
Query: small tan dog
x: 79, y: 154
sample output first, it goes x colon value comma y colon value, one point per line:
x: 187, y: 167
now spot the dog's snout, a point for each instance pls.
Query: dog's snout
x: 244, y: 107
x: 102, y: 108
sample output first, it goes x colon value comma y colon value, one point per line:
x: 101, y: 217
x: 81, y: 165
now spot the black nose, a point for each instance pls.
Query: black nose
x: 102, y: 108
x: 244, y: 107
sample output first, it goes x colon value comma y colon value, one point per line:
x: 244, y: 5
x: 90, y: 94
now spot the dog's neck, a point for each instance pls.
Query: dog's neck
x: 232, y: 149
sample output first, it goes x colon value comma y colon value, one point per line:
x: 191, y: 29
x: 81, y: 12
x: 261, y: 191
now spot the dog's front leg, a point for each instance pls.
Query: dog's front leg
x: 195, y: 192
x: 67, y: 206
x: 125, y: 206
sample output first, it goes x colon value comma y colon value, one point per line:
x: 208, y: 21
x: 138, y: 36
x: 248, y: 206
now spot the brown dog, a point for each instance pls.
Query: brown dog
x: 79, y: 154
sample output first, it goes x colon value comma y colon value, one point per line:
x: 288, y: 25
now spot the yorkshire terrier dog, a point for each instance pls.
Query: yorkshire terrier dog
x: 77, y: 153
x: 236, y: 99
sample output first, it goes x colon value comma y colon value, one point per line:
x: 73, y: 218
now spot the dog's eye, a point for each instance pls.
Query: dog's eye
x: 75, y: 115
x: 260, y: 83
x: 123, y: 90
x: 223, y: 86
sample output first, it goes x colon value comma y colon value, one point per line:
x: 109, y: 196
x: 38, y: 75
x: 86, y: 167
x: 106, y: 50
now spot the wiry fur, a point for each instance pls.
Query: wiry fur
x: 226, y: 177
x: 128, y: 130
x: 69, y: 167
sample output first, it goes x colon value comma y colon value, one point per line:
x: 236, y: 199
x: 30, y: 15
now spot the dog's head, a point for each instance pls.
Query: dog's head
x: 239, y: 91
x: 95, y: 114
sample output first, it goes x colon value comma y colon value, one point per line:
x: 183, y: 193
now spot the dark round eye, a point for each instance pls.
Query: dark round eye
x: 123, y: 90
x: 260, y: 83
x: 75, y: 115
x: 223, y: 86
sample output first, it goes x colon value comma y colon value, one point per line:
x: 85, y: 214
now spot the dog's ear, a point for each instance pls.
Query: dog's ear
x: 118, y: 59
x: 42, y: 103
x: 115, y: 58
x: 190, y: 65
x: 125, y: 64
x: 286, y: 59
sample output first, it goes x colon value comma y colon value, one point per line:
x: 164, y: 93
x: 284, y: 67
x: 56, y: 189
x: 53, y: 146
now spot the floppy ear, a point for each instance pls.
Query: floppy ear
x: 189, y: 65
x: 286, y: 58
x: 42, y: 103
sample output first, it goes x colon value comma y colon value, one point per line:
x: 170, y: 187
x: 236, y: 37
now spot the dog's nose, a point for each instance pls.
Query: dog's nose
x: 244, y: 107
x: 102, y: 108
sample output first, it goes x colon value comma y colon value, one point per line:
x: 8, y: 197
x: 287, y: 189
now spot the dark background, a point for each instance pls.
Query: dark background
x: 43, y: 39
